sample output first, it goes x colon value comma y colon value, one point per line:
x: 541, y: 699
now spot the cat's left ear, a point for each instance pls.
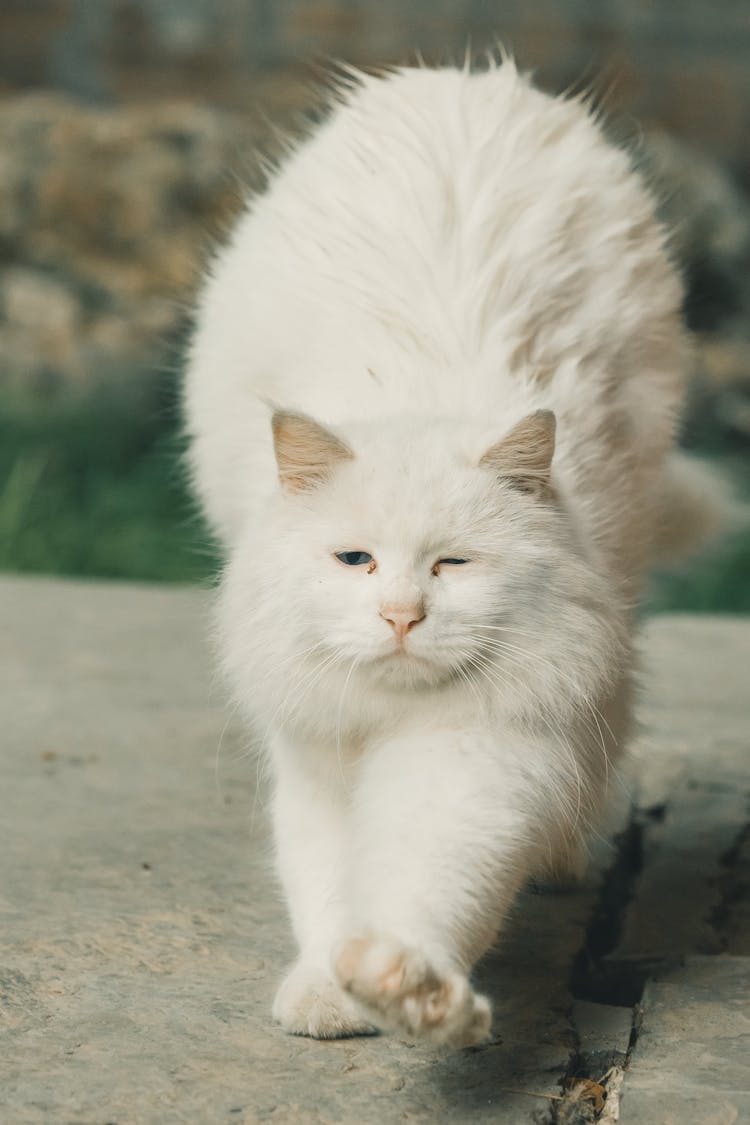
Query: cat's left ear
x: 306, y: 452
x: 524, y: 456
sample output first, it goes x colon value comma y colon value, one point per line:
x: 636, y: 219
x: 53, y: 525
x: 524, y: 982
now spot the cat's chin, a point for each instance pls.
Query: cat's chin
x: 407, y: 671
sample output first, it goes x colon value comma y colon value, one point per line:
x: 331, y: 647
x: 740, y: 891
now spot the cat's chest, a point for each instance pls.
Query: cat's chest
x: 356, y: 728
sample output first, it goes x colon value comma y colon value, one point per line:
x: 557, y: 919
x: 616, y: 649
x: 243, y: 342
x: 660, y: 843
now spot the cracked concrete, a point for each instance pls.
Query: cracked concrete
x: 142, y: 935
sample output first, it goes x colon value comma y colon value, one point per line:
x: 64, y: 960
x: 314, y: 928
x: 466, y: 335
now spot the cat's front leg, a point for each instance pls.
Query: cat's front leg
x: 309, y: 820
x: 448, y: 825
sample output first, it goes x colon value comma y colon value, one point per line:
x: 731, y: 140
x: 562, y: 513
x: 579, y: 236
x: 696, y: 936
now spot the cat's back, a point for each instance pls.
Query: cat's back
x: 445, y: 241
x: 441, y: 216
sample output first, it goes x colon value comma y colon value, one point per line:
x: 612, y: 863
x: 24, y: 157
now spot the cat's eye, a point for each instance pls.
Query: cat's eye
x: 355, y: 558
x: 447, y: 562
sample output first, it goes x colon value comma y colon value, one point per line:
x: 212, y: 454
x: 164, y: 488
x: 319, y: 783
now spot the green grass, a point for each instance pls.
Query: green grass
x: 94, y: 486
x: 716, y: 582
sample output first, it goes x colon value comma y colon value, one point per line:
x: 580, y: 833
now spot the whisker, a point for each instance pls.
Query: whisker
x: 304, y: 684
x: 353, y: 665
x: 217, y: 757
x: 463, y: 674
x: 556, y: 735
x: 503, y: 646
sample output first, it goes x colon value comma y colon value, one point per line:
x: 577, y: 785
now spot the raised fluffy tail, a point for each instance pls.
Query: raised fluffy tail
x: 695, y: 506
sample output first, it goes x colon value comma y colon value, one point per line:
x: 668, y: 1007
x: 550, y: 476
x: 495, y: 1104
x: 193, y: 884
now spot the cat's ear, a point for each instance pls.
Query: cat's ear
x: 305, y: 451
x: 524, y: 456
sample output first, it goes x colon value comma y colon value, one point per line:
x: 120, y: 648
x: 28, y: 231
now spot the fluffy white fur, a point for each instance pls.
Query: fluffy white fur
x: 448, y: 254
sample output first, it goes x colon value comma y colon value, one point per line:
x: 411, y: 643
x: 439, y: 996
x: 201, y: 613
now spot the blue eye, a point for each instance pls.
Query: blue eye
x: 354, y: 558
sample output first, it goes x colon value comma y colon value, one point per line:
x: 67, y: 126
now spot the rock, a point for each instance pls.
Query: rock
x: 37, y: 303
x: 705, y: 209
x: 40, y: 320
x: 718, y: 414
x: 725, y: 361
x: 708, y: 217
x: 106, y: 217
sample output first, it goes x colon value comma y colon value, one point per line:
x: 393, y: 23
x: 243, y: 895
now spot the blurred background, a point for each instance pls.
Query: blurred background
x: 129, y: 131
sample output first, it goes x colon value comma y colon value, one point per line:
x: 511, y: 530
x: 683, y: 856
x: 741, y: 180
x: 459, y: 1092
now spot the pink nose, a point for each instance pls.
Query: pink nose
x: 402, y: 620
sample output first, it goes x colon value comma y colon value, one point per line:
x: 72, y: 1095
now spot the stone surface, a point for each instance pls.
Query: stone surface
x: 141, y: 933
x: 691, y: 1063
x: 603, y: 1034
x: 685, y: 844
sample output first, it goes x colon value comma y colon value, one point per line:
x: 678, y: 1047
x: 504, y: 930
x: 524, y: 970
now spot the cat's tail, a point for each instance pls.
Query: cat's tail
x: 695, y: 506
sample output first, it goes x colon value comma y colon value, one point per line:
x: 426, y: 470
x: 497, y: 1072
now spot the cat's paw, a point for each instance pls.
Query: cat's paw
x: 405, y: 992
x: 309, y: 1002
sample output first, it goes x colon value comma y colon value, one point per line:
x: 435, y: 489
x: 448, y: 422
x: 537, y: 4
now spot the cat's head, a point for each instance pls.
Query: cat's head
x: 415, y: 550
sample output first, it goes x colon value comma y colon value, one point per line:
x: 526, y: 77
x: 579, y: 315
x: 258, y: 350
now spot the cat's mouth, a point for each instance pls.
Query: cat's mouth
x: 406, y: 668
x: 401, y: 655
x: 402, y: 650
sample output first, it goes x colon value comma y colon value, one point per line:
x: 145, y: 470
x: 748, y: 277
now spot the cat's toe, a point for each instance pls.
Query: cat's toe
x: 404, y: 991
x: 378, y: 969
x: 310, y: 1002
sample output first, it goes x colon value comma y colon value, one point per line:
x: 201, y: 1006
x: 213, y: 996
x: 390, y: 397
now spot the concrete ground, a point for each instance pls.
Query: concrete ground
x: 142, y: 935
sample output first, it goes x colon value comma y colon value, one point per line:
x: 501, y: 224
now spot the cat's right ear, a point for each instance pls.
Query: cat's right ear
x: 306, y: 452
x: 524, y: 456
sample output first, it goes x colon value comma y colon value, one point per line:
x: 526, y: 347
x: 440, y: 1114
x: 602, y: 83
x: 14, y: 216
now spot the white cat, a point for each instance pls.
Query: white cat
x: 426, y: 615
